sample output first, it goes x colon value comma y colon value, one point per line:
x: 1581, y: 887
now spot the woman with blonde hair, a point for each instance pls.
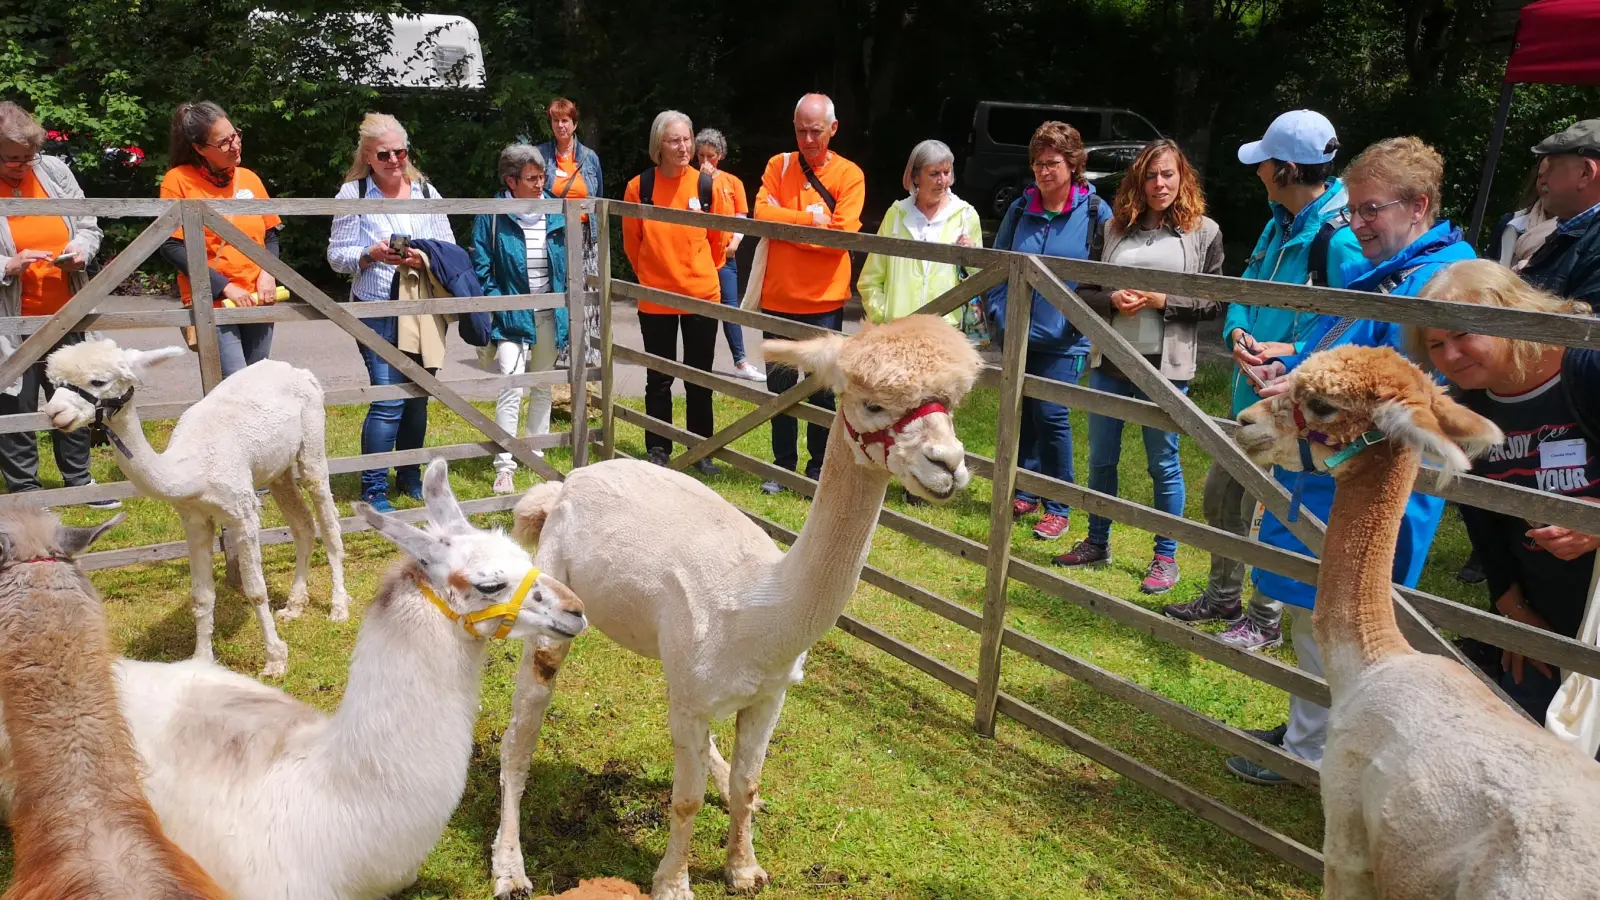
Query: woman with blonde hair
x: 1546, y: 399
x: 893, y: 286
x: 370, y: 247
x: 1158, y: 221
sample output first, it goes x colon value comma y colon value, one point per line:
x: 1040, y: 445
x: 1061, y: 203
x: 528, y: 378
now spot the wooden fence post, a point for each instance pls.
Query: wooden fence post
x: 1019, y: 315
x: 608, y: 436
x: 205, y: 326
x: 578, y: 329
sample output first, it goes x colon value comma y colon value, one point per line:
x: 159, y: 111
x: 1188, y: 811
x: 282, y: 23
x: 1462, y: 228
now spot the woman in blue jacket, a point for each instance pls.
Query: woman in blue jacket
x: 522, y: 254
x: 1394, y: 195
x: 1058, y: 215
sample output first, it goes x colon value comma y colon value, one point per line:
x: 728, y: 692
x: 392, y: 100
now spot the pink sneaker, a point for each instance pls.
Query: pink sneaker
x: 1162, y: 575
x: 1085, y: 554
x: 1021, y: 507
x: 1051, y: 527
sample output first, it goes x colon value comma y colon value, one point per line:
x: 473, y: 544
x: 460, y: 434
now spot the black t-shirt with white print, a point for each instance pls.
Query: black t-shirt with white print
x: 1545, y: 449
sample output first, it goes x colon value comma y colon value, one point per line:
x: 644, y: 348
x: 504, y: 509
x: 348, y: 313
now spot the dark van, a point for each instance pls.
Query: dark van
x: 996, y: 167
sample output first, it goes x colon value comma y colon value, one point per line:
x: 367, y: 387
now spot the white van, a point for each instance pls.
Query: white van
x: 422, y: 51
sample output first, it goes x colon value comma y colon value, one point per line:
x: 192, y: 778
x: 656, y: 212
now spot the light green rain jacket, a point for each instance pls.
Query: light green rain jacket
x: 891, y: 286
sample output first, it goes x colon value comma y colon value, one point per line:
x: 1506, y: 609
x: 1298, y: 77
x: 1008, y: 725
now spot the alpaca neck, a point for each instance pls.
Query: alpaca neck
x: 150, y: 471
x: 1354, y: 619
x: 819, y: 573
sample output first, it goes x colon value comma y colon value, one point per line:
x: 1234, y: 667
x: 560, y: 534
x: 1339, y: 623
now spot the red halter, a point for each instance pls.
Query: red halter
x: 885, y: 436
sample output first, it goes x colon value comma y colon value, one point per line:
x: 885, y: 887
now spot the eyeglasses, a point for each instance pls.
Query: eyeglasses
x: 398, y: 155
x: 1046, y: 165
x: 1369, y: 212
x: 535, y: 179
x: 232, y: 140
x: 25, y: 161
x: 678, y: 142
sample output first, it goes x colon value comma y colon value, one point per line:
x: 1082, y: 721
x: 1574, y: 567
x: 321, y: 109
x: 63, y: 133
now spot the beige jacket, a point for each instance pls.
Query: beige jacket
x: 422, y: 334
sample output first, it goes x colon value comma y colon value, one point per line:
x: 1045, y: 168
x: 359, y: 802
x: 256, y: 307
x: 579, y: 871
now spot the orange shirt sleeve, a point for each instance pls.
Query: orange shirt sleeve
x: 741, y: 200
x: 849, y: 196
x: 172, y: 189
x: 772, y: 186
x: 722, y: 205
x: 632, y: 228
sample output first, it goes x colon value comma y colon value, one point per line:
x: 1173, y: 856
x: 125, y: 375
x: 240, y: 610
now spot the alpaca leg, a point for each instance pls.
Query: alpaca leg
x: 691, y: 736
x: 719, y: 770
x: 1347, y: 861
x: 536, y: 684
x: 756, y: 723
x: 314, y: 475
x: 255, y: 590
x: 298, y: 517
x: 202, y: 585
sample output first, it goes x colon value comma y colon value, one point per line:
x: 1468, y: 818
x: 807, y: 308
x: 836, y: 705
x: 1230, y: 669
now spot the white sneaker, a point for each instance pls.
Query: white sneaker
x: 747, y: 371
x: 504, y: 483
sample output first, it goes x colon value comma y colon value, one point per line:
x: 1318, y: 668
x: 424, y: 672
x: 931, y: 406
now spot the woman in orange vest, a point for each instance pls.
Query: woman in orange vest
x: 682, y: 260
x: 575, y: 174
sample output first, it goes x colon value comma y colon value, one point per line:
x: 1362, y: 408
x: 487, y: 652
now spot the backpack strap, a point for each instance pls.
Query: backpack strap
x: 706, y: 186
x: 364, y: 187
x: 1393, y: 279
x: 1095, y: 241
x: 816, y: 183
x: 647, y: 186
x: 1587, y: 424
x: 1317, y: 269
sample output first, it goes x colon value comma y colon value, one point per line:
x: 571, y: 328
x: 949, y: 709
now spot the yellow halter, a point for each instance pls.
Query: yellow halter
x: 506, y: 612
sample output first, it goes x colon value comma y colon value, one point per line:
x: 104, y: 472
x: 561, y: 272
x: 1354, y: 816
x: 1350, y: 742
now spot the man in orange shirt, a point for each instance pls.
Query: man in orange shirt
x: 805, y: 282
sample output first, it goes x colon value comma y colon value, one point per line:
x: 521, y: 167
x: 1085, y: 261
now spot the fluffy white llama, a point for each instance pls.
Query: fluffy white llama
x: 262, y: 427
x: 683, y: 576
x: 1431, y: 786
x: 281, y: 802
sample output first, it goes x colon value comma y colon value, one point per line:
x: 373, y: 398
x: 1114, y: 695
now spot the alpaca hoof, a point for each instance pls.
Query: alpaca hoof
x: 513, y: 887
x: 678, y: 889
x: 340, y: 612
x: 275, y: 668
x: 748, y: 878
x: 291, y: 612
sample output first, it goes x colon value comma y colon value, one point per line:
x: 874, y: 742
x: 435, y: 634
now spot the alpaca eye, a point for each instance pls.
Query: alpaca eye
x: 1320, y: 407
x: 490, y: 587
x: 873, y: 408
x: 98, y: 382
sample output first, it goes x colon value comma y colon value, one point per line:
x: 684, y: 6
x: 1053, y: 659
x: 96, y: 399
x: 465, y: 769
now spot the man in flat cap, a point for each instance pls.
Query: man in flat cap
x: 1569, y: 185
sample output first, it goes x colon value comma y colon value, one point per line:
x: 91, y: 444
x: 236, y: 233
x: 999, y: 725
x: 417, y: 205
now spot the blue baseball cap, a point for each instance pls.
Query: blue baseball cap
x: 1300, y: 136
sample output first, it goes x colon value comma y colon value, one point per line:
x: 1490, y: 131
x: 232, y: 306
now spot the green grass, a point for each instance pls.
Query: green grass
x: 876, y: 784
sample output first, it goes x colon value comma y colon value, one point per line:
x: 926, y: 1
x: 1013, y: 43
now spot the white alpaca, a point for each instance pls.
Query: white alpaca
x: 670, y: 570
x: 262, y: 427
x: 279, y: 801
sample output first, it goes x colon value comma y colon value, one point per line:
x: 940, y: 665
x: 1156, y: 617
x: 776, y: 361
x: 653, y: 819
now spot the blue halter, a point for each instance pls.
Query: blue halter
x: 1341, y: 456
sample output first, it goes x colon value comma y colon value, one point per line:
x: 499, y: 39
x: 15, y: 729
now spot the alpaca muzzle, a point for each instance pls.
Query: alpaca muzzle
x: 506, y: 612
x: 100, y: 433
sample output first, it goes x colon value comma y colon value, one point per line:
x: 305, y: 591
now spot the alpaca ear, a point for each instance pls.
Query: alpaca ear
x: 819, y: 355
x: 1473, y: 432
x: 417, y: 544
x: 1419, y: 429
x: 444, y: 513
x: 74, y: 541
x: 144, y: 359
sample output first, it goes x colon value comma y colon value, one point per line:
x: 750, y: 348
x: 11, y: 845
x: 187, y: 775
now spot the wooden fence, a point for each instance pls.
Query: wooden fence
x: 1421, y: 614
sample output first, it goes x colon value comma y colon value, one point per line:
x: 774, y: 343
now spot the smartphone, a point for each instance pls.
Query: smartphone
x: 63, y: 258
x: 1255, y: 379
x: 400, y: 243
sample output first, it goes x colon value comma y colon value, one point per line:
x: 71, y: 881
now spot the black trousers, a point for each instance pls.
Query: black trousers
x: 786, y: 429
x: 660, y: 332
x: 19, y: 451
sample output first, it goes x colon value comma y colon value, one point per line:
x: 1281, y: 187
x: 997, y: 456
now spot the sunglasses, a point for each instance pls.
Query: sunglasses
x: 398, y: 155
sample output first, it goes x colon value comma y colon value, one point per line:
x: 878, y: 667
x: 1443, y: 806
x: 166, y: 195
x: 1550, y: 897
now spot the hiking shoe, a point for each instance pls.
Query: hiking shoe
x: 771, y: 487
x: 814, y: 470
x: 745, y: 370
x: 504, y: 482
x: 1247, y: 634
x: 412, y: 489
x: 707, y: 467
x: 1254, y: 773
x: 111, y: 503
x: 660, y: 455
x: 1273, y: 736
x: 1471, y: 571
x: 1021, y: 507
x: 1084, y: 553
x: 379, y: 502
x: 1204, y: 609
x: 1162, y: 576
x: 1050, y: 527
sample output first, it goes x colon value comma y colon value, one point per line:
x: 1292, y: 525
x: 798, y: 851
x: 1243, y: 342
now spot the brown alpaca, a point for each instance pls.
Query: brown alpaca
x: 80, y: 825
x: 600, y: 889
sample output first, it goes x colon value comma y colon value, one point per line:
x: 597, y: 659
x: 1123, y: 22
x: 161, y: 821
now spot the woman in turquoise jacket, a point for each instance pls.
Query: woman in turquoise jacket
x: 521, y: 254
x: 1394, y: 193
x: 1304, y: 243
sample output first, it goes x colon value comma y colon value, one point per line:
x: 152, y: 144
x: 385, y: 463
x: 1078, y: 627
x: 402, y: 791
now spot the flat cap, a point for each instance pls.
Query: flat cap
x: 1583, y: 137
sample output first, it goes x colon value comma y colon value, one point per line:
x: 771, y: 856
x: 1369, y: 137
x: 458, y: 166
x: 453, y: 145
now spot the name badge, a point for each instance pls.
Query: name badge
x: 563, y: 173
x: 1563, y: 454
x: 694, y: 204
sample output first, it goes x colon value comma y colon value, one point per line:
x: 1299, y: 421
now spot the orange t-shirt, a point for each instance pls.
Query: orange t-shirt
x: 189, y: 183
x: 730, y: 185
x: 45, y: 288
x: 569, y: 172
x: 676, y: 258
x: 806, y: 278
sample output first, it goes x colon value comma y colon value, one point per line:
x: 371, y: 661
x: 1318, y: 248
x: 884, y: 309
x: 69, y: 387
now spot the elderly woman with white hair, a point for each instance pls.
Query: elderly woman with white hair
x: 366, y: 246
x: 42, y: 261
x: 514, y: 254
x: 679, y: 259
x: 893, y: 286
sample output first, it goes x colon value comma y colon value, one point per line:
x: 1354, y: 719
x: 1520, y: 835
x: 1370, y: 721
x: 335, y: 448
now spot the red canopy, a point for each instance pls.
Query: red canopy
x: 1558, y: 42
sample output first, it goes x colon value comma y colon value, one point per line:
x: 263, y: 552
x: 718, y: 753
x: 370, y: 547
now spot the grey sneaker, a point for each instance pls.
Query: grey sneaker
x: 1204, y: 609
x: 1255, y: 773
x: 1247, y: 634
x: 660, y: 455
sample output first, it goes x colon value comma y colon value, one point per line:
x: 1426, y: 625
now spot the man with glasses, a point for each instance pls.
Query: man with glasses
x: 1568, y: 264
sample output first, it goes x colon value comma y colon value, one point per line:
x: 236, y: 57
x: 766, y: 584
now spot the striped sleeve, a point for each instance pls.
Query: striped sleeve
x: 344, y: 241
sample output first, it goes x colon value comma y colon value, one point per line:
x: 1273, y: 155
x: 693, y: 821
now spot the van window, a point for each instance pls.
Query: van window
x: 1129, y: 127
x: 1016, y: 124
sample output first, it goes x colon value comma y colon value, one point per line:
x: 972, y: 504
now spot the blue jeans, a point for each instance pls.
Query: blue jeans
x: 391, y: 424
x: 786, y: 429
x: 728, y: 277
x: 1161, y: 461
x: 1044, y: 442
x: 242, y: 345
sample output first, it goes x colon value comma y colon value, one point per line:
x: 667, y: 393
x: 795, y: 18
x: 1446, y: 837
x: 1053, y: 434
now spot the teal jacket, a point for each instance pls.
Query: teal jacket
x: 1283, y: 255
x: 500, y: 256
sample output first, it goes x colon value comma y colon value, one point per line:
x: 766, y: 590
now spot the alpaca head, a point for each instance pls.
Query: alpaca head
x: 97, y: 369
x: 1339, y: 395
x: 896, y: 386
x: 482, y: 577
x: 33, y: 533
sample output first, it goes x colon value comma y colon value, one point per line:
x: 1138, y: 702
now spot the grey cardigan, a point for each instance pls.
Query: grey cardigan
x: 1202, y: 252
x: 83, y: 233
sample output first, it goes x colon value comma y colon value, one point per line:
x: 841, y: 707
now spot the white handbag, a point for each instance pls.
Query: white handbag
x: 758, y: 265
x: 1574, y: 714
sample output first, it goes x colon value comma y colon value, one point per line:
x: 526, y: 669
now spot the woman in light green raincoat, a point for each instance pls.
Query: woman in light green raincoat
x: 892, y: 286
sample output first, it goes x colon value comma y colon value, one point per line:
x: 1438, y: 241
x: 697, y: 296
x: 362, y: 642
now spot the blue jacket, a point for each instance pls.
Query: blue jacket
x: 1283, y: 255
x: 1027, y: 229
x: 588, y: 164
x: 1414, y: 265
x: 500, y: 258
x: 450, y: 265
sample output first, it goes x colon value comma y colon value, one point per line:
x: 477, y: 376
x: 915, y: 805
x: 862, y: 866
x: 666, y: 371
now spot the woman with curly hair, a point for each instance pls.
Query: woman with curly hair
x: 1158, y: 222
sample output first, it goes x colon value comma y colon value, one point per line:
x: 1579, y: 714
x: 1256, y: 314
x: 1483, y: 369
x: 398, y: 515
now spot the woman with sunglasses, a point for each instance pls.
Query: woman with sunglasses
x: 205, y: 153
x: 362, y: 246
